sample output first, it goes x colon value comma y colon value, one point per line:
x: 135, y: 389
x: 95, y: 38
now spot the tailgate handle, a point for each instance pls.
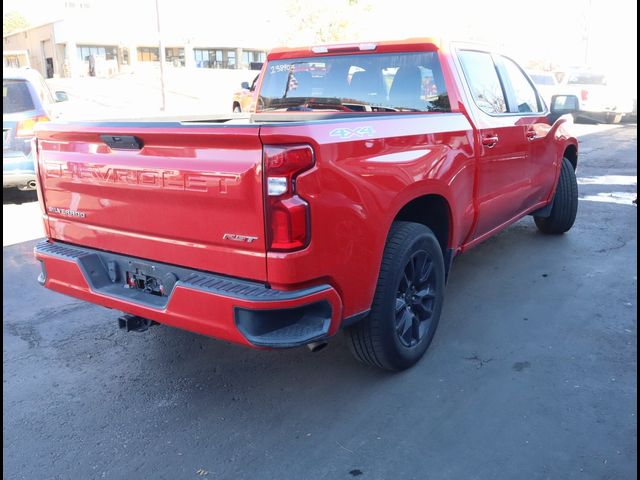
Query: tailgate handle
x: 122, y: 142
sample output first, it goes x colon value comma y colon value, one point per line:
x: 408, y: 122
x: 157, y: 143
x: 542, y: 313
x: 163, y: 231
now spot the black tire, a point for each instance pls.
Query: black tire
x: 403, y: 320
x: 236, y: 108
x: 565, y: 203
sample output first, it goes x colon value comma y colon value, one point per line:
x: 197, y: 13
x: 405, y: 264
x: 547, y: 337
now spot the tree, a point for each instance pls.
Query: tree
x: 12, y: 21
x: 326, y: 22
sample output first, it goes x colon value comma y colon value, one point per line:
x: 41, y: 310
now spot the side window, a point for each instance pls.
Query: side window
x: 524, y: 93
x: 483, y: 80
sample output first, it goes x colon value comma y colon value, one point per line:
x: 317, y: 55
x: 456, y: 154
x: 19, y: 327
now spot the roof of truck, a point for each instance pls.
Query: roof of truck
x: 388, y: 46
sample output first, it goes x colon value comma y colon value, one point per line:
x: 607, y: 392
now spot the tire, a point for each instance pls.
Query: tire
x: 400, y: 326
x: 237, y: 109
x: 565, y: 203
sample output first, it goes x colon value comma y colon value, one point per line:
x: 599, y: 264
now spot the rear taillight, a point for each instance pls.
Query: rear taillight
x: 287, y: 214
x: 25, y: 127
x: 584, y: 95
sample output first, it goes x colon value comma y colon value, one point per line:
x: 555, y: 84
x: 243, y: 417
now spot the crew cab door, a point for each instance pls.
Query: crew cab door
x: 525, y: 103
x: 504, y: 182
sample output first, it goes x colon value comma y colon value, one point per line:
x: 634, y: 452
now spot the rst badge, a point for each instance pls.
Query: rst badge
x: 239, y: 238
x: 66, y: 212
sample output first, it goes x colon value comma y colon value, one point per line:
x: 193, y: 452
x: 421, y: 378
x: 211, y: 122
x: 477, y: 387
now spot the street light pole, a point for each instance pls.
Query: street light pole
x: 161, y: 56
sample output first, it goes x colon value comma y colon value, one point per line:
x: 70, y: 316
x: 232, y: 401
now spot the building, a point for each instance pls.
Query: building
x: 97, y: 40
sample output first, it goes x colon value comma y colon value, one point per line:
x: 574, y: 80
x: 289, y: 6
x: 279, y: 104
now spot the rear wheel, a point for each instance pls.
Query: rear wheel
x: 407, y: 303
x: 565, y: 203
x: 236, y: 108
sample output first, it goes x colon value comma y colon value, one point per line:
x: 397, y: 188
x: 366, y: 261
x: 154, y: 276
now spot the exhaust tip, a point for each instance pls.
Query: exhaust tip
x: 31, y: 184
x: 316, y: 346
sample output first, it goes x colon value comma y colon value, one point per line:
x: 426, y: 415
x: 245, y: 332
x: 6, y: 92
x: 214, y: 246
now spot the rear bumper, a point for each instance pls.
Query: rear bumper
x: 230, y: 309
x: 18, y: 170
x: 22, y: 180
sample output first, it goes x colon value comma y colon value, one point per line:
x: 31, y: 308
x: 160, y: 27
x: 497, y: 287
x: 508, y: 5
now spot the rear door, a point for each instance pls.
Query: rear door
x: 183, y: 195
x: 527, y: 106
x: 503, y: 174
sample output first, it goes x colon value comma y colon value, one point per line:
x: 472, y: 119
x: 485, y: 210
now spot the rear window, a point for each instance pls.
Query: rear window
x: 16, y: 97
x: 403, y: 82
x: 587, y: 79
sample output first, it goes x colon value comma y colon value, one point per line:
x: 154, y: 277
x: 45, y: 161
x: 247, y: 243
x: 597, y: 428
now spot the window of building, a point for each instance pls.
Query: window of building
x: 524, y: 94
x: 175, y: 56
x: 253, y: 56
x: 106, y: 52
x: 483, y: 81
x: 214, y: 58
x: 148, y: 54
x: 11, y: 61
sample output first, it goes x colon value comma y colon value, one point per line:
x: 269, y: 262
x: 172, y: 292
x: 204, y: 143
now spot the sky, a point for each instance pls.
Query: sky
x: 567, y: 32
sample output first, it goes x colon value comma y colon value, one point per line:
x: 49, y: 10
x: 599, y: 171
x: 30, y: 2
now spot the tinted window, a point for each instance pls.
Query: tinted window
x: 525, y: 95
x: 404, y: 82
x: 16, y: 97
x: 483, y: 80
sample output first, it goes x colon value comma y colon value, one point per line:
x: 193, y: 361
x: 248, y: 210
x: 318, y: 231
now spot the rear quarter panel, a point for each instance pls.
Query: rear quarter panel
x: 366, y: 171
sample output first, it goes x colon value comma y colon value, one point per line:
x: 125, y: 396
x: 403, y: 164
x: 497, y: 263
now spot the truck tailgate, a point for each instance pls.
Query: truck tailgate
x: 185, y: 195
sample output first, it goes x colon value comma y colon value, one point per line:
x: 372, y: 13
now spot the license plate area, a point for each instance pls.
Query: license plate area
x: 146, y: 278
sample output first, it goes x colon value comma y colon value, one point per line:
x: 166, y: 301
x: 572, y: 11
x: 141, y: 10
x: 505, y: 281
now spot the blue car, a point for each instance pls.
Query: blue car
x: 26, y: 100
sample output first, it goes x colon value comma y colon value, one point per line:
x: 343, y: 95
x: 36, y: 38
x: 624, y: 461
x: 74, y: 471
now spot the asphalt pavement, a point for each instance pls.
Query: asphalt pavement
x: 531, y: 375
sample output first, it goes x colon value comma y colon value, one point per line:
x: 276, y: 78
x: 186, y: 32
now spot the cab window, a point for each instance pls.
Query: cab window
x: 482, y: 78
x: 525, y: 98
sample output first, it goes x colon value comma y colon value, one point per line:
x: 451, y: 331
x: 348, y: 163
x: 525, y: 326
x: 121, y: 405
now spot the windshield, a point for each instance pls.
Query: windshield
x: 16, y: 97
x: 398, y: 82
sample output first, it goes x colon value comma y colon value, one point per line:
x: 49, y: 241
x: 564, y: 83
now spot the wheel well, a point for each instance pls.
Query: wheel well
x: 571, y: 154
x: 432, y: 211
x: 235, y: 104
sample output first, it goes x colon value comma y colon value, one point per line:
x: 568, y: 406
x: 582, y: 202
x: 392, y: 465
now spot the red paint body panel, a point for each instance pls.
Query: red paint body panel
x: 173, y: 200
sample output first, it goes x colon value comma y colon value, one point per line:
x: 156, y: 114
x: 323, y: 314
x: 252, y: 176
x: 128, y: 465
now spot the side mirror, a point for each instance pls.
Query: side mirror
x: 563, y: 105
x: 61, y: 96
x: 245, y: 85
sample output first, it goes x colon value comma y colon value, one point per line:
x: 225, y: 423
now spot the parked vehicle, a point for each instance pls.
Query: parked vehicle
x: 244, y: 100
x: 340, y: 204
x: 546, y: 84
x: 600, y: 100
x: 26, y: 101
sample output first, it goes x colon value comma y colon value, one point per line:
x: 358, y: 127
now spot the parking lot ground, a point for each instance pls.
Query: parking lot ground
x: 532, y: 373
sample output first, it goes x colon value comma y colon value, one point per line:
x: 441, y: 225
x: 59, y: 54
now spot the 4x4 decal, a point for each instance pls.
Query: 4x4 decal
x: 352, y: 132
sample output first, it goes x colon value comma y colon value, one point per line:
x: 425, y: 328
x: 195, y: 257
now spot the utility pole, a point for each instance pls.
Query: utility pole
x: 587, y: 29
x: 161, y: 55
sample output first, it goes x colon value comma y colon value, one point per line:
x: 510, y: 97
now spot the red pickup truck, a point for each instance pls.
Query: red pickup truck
x: 340, y: 204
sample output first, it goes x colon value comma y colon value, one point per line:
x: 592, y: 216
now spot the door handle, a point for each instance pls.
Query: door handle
x: 490, y: 141
x: 531, y: 134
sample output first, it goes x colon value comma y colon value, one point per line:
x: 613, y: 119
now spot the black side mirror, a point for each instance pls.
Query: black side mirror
x: 61, y: 96
x: 245, y: 85
x: 563, y: 105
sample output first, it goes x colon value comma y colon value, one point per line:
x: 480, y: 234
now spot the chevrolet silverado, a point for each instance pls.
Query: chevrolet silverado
x: 339, y: 205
